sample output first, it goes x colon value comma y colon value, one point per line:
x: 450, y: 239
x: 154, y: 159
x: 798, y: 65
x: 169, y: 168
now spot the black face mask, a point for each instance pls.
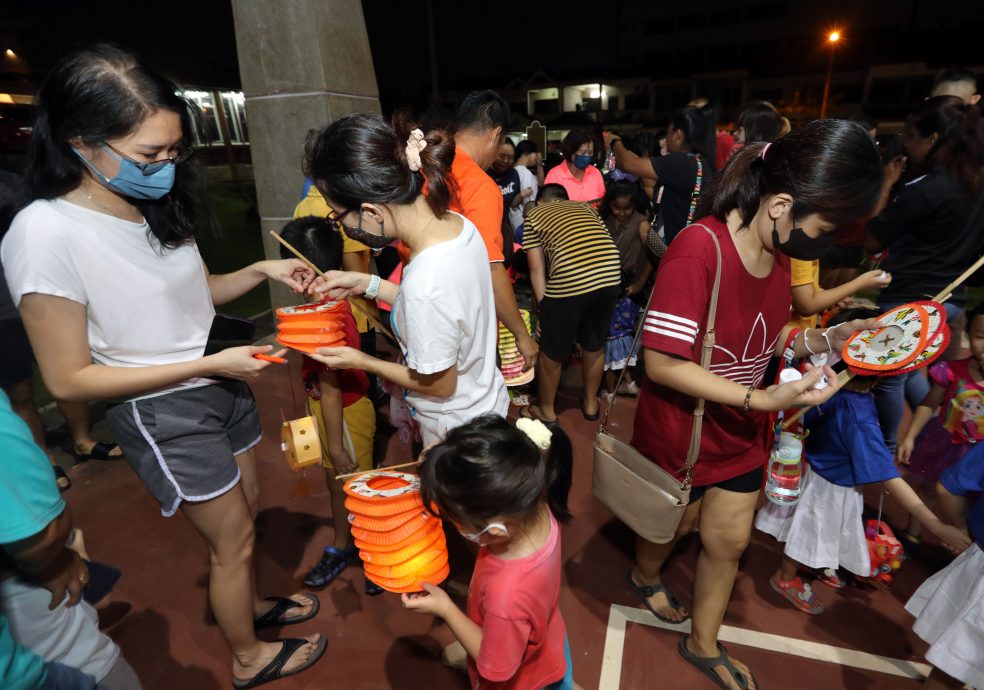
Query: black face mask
x: 801, y: 246
x: 367, y: 238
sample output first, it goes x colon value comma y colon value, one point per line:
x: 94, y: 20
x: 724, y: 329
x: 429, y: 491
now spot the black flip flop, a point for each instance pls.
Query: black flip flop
x: 706, y: 665
x: 272, y: 618
x: 533, y: 412
x: 272, y: 671
x: 102, y: 579
x: 646, y: 591
x: 60, y: 474
x: 100, y: 451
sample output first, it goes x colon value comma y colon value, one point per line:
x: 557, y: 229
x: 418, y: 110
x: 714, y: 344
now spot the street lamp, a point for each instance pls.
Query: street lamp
x: 832, y: 38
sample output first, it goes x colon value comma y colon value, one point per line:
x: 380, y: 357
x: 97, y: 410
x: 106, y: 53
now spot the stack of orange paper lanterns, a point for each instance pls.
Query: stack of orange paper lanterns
x: 309, y: 326
x: 401, y: 544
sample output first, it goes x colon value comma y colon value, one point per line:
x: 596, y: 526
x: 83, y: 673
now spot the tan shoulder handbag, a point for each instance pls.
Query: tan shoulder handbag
x: 639, y: 492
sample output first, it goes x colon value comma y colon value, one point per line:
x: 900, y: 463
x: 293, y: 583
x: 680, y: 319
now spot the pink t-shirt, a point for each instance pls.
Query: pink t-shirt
x: 962, y: 412
x: 523, y: 633
x: 588, y: 188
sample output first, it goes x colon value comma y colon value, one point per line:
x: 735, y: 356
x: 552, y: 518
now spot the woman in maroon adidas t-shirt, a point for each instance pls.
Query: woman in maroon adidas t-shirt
x: 788, y: 196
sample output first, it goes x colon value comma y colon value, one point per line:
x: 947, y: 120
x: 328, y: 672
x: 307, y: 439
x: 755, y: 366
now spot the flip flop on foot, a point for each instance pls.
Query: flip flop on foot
x: 274, y: 670
x: 706, y: 665
x: 592, y: 417
x: 101, y: 450
x: 798, y: 593
x: 282, y: 605
x: 646, y: 592
x: 61, y: 479
x: 534, y: 412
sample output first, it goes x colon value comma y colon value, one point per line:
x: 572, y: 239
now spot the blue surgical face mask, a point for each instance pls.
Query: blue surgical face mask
x: 582, y: 162
x: 130, y: 180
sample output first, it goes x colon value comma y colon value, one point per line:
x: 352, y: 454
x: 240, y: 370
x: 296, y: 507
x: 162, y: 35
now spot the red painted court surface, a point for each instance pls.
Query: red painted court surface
x: 174, y: 644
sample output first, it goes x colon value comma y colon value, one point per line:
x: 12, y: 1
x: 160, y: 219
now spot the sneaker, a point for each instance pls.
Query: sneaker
x: 798, y: 593
x: 628, y: 389
x: 332, y: 563
x: 607, y: 397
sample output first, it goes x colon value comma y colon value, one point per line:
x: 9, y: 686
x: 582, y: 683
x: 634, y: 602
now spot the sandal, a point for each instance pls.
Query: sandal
x: 272, y: 671
x: 535, y: 413
x: 706, y: 665
x: 332, y: 563
x: 59, y: 476
x: 646, y: 591
x: 102, y: 450
x: 590, y: 417
x: 272, y: 618
x: 831, y: 578
x: 371, y: 588
x: 798, y: 593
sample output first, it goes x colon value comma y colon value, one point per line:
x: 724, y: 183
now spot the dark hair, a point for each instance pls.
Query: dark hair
x: 761, y: 123
x: 317, y: 239
x: 829, y: 167
x: 361, y: 158
x: 574, y: 140
x: 699, y: 130
x: 954, y: 75
x: 14, y: 195
x: 553, y: 192
x: 977, y: 311
x: 488, y: 468
x: 621, y: 188
x: 507, y: 140
x: 960, y: 146
x: 482, y: 111
x: 100, y: 93
x: 645, y: 144
x: 526, y: 146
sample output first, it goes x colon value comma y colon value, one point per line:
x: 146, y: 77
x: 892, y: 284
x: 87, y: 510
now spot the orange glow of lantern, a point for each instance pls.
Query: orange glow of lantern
x: 310, y: 326
x: 401, y: 544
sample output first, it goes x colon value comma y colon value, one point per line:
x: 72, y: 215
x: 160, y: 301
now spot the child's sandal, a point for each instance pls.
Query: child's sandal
x: 831, y: 578
x: 798, y: 593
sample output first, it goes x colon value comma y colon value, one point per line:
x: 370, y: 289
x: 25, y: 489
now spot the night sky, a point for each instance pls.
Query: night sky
x: 478, y: 45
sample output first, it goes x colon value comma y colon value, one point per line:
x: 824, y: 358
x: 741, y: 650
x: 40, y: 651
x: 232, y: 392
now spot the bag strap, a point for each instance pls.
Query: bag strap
x: 707, y: 349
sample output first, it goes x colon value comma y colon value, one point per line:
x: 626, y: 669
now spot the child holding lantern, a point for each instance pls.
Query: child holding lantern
x: 338, y: 400
x: 504, y: 487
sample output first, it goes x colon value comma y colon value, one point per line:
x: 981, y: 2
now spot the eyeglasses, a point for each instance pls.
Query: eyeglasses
x: 153, y: 166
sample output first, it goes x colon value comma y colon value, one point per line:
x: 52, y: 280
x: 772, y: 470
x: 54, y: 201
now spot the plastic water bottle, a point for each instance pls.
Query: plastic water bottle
x: 785, y: 472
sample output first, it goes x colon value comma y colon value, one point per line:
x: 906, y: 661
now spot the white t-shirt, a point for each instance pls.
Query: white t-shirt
x: 444, y: 316
x: 144, y: 306
x: 527, y: 180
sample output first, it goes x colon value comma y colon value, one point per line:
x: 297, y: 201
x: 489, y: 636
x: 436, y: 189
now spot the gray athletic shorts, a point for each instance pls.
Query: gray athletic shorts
x: 183, y: 444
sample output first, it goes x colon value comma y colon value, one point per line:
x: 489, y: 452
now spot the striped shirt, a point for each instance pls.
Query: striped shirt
x: 580, y: 252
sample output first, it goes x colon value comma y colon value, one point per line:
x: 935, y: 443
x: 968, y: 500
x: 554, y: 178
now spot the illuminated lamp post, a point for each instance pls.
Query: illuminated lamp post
x: 832, y: 38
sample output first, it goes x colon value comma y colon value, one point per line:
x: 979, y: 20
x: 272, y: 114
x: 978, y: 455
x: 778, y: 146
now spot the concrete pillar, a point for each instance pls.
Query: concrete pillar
x: 303, y: 63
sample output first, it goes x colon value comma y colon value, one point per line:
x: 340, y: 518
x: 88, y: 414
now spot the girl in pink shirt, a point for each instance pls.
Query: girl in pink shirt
x: 502, y: 486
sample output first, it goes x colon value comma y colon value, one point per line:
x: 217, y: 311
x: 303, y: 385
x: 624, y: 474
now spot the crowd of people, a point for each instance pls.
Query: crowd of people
x: 641, y: 255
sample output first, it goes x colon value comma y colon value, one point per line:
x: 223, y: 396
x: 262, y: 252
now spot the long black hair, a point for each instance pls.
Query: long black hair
x: 829, y: 167
x: 699, y: 130
x: 361, y: 158
x: 488, y: 467
x: 959, y: 147
x: 103, y: 92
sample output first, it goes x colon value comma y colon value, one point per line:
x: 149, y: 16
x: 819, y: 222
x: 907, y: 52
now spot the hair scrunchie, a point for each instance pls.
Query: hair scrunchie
x: 415, y: 144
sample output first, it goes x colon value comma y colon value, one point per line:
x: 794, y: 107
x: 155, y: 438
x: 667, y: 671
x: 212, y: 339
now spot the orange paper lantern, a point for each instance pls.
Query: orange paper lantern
x: 401, y: 544
x: 311, y: 326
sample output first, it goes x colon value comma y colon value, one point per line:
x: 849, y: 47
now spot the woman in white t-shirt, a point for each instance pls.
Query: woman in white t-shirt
x: 118, y: 306
x: 372, y: 174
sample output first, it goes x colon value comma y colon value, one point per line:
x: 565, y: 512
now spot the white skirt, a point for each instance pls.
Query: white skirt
x: 824, y: 529
x: 949, y: 611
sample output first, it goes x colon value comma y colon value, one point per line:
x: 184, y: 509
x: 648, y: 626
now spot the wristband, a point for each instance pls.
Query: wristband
x: 826, y: 336
x: 373, y: 288
x: 806, y: 340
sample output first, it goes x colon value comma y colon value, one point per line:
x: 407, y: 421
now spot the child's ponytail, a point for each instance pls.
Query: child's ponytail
x: 560, y: 466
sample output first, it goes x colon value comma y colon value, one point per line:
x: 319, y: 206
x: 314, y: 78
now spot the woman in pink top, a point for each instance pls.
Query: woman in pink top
x: 582, y: 180
x: 501, y: 486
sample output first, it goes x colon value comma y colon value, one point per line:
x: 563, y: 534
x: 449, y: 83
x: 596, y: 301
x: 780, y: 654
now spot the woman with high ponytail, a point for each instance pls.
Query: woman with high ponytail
x: 927, y: 228
x: 771, y: 202
x: 373, y: 174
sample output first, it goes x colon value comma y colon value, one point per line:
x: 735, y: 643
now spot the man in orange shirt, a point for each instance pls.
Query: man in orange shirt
x: 480, y: 127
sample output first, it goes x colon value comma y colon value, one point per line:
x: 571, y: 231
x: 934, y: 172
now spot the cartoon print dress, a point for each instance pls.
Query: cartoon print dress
x: 959, y: 425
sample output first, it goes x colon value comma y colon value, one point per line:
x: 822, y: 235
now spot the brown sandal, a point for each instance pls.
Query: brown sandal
x: 535, y: 413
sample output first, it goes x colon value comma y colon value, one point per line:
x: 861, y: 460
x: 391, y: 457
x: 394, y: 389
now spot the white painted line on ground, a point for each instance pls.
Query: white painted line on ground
x: 619, y: 616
